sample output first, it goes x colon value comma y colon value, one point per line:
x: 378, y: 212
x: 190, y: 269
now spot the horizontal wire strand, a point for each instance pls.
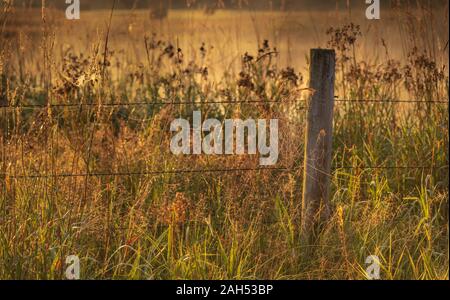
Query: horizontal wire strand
x: 148, y: 103
x: 392, y: 101
x: 31, y: 106
x: 221, y: 170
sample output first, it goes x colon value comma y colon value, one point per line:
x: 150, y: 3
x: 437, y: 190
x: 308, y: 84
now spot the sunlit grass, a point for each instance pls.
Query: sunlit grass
x: 240, y: 225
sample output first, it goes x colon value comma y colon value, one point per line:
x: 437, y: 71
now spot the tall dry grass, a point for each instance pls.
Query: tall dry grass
x: 226, y: 225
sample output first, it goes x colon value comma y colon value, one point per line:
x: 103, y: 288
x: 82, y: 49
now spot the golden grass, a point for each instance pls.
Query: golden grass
x: 239, y: 225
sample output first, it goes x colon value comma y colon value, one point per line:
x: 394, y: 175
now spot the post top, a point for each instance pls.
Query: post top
x: 322, y: 51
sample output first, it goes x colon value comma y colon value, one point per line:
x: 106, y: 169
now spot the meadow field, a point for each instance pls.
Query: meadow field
x: 86, y: 167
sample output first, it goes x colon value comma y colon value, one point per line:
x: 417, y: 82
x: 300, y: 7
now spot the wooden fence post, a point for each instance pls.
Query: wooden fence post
x: 318, y: 148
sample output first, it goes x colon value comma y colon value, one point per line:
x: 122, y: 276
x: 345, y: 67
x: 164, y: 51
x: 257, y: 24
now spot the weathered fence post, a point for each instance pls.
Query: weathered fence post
x: 318, y: 146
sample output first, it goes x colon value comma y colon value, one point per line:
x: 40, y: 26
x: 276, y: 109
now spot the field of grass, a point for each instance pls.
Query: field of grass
x: 76, y: 176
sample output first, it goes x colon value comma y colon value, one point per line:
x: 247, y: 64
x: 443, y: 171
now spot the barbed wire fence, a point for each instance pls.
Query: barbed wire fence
x: 317, y: 167
x: 321, y: 104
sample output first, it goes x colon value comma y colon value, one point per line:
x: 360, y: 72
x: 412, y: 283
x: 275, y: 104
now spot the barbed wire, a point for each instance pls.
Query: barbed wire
x: 393, y: 167
x: 144, y: 173
x: 118, y: 104
x: 192, y: 171
x: 392, y: 101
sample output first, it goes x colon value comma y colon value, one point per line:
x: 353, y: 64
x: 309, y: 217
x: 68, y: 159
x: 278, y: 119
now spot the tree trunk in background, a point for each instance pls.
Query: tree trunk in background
x: 159, y: 9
